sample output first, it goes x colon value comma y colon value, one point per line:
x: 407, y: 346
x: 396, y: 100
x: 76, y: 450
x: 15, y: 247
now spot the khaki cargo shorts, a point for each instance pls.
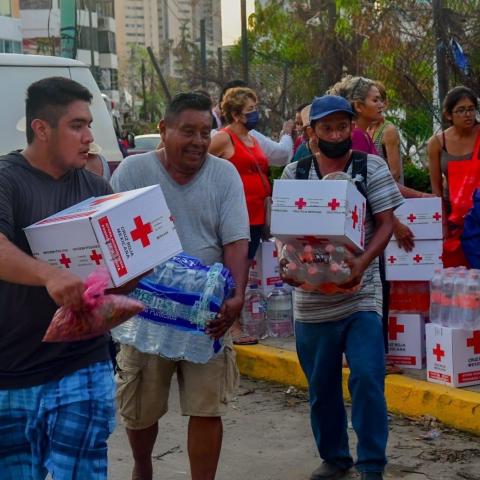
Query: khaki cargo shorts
x: 143, y: 386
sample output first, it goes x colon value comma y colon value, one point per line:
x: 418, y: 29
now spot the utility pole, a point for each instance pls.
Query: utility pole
x: 68, y: 28
x: 243, y: 14
x: 90, y: 27
x: 220, y: 65
x: 203, y: 53
x: 156, y: 66
x: 144, y: 92
x: 440, y: 49
x: 285, y: 86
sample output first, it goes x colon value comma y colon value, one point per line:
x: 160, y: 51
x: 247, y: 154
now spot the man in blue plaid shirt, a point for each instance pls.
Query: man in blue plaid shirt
x: 56, y: 399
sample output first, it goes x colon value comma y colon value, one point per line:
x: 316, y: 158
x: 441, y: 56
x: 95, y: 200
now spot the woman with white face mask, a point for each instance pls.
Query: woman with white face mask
x: 235, y: 143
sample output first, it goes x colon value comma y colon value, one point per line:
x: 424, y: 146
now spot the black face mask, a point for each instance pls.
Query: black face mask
x: 335, y: 150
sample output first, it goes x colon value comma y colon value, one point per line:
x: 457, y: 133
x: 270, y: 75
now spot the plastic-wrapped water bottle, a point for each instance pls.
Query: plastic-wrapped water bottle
x: 254, y: 312
x: 447, y: 297
x: 181, y: 296
x: 470, y: 302
x: 279, y: 312
x: 456, y: 309
x: 436, y: 297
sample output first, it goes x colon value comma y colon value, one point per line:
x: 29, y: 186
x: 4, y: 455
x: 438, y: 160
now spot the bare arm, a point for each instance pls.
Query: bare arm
x: 436, y: 180
x: 434, y: 165
x: 383, y: 232
x: 18, y: 267
x: 392, y: 147
x: 235, y: 259
x: 221, y: 145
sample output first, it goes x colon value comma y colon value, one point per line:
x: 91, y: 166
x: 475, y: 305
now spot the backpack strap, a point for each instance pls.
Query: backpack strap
x: 359, y: 171
x: 304, y: 165
x: 359, y: 175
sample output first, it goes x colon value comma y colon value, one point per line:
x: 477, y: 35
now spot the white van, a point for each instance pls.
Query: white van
x: 18, y: 71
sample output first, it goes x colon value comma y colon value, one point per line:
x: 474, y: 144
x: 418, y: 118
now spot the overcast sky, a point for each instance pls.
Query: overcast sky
x: 231, y: 27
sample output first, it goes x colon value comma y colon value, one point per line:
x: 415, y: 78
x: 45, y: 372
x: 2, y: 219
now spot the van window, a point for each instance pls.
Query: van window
x: 14, y: 81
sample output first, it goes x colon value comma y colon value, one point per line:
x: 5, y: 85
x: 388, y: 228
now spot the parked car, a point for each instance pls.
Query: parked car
x: 145, y: 143
x: 18, y: 71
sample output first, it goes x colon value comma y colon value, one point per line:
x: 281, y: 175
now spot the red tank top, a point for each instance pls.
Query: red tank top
x: 255, y: 184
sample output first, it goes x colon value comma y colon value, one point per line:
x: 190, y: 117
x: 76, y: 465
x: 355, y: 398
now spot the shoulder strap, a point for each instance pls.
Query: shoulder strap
x: 359, y: 168
x: 304, y: 165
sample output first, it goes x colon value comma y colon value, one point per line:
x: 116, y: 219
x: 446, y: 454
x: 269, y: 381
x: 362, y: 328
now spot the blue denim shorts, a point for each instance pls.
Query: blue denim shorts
x: 60, y: 427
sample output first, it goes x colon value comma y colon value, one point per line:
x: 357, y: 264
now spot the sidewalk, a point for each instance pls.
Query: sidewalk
x: 409, y: 394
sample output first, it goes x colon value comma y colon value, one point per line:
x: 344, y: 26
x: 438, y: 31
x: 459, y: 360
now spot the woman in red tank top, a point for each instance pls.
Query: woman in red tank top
x: 234, y: 143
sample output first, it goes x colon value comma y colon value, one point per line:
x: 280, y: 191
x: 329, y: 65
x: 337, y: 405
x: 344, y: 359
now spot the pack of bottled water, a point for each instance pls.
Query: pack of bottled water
x: 181, y: 296
x: 316, y: 267
x: 455, y: 298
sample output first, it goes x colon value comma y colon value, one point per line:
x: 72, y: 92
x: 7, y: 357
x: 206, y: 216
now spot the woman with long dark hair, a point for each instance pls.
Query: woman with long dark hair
x: 446, y: 150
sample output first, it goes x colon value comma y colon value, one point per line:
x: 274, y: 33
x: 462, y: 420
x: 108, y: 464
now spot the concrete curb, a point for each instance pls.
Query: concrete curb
x: 454, y: 407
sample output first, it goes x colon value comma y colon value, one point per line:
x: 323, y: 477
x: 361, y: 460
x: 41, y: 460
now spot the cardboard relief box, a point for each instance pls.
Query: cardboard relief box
x: 453, y: 356
x: 265, y: 269
x: 418, y: 265
x: 406, y: 340
x: 423, y: 216
x: 318, y: 212
x: 129, y: 233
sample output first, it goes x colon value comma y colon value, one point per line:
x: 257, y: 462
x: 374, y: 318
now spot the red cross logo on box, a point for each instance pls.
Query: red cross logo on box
x: 96, y: 257
x: 411, y: 218
x: 417, y: 258
x: 355, y: 217
x: 142, y: 231
x: 438, y: 352
x: 392, y: 259
x: 333, y: 204
x: 65, y: 261
x: 300, y: 203
x: 474, y: 342
x: 275, y: 253
x: 394, y: 328
x: 437, y: 216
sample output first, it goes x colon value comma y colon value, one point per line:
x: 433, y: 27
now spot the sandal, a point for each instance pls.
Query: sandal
x: 392, y: 369
x: 243, y: 339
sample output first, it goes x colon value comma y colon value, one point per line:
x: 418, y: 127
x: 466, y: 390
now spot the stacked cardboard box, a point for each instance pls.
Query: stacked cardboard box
x: 424, y: 217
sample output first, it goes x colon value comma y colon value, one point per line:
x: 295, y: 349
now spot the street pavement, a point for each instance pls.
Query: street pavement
x: 267, y: 437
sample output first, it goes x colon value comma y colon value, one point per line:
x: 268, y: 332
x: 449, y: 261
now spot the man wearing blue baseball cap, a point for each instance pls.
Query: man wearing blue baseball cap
x: 327, y: 326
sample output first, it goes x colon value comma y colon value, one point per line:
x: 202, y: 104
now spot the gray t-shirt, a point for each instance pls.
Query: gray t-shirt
x: 382, y: 194
x: 209, y: 212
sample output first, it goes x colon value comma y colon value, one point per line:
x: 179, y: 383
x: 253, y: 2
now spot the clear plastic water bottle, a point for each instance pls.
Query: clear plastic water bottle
x: 436, y: 297
x: 470, y: 302
x: 170, y: 325
x: 456, y: 308
x: 254, y: 312
x: 447, y: 297
x: 279, y: 312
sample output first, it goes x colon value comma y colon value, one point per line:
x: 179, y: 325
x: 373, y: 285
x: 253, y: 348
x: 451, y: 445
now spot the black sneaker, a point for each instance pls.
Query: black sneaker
x: 328, y: 471
x: 372, y: 476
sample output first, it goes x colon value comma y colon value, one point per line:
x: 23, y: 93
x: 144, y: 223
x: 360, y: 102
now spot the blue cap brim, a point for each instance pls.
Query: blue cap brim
x: 336, y: 110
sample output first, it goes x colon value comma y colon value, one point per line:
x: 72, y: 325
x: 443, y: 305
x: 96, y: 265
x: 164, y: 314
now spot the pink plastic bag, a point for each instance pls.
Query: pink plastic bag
x: 100, y: 312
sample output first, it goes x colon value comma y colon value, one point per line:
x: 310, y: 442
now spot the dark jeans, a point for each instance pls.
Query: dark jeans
x: 386, y: 299
x: 320, y: 347
x: 255, y: 237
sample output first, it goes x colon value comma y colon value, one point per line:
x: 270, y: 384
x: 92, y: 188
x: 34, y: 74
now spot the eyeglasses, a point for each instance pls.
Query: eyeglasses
x: 465, y: 111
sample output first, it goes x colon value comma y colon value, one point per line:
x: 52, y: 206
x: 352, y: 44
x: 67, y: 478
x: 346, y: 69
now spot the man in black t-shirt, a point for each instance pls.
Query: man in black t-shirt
x: 56, y: 399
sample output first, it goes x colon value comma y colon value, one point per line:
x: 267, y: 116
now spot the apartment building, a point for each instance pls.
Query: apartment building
x: 160, y: 24
x: 95, y: 43
x: 10, y: 27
